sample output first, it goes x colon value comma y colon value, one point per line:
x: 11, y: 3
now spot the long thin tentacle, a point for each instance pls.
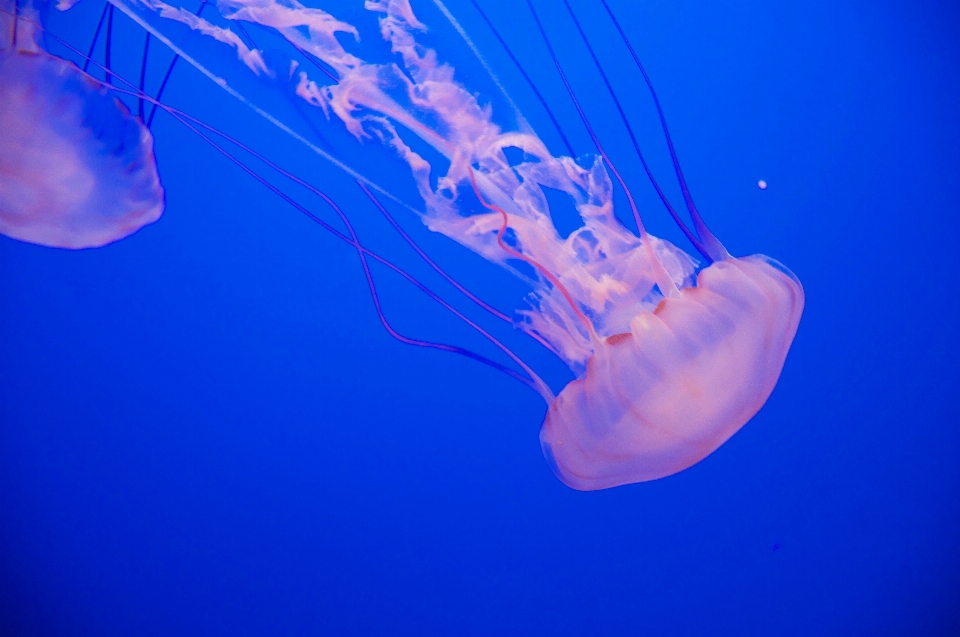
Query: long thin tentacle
x: 633, y: 138
x: 664, y: 282
x: 711, y: 243
x: 532, y: 379
x: 526, y: 76
x: 96, y: 34
x: 166, y: 76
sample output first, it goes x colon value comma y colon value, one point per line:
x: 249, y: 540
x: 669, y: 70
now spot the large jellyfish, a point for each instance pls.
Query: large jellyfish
x: 76, y: 169
x: 671, y: 358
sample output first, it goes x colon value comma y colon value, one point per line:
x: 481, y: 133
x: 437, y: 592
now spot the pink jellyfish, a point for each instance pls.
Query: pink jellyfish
x: 76, y: 169
x: 670, y: 360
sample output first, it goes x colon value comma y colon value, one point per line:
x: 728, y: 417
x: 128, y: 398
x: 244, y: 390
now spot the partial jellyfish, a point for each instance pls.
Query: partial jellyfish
x: 670, y: 356
x: 76, y: 169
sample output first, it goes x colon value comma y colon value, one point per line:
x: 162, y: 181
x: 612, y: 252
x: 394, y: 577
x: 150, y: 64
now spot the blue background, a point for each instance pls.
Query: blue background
x: 204, y: 430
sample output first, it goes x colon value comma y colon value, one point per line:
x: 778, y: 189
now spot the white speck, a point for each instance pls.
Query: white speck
x: 762, y: 184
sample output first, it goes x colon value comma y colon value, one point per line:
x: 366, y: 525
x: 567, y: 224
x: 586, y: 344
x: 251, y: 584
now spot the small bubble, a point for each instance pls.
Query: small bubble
x: 762, y: 184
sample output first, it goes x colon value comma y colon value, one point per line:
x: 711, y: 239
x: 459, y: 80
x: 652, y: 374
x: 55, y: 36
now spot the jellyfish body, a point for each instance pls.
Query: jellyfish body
x: 669, y: 361
x: 76, y: 169
x: 663, y: 396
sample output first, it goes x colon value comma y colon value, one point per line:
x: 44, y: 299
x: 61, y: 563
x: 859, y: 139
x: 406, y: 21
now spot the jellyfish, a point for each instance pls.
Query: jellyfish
x: 76, y: 169
x: 671, y: 356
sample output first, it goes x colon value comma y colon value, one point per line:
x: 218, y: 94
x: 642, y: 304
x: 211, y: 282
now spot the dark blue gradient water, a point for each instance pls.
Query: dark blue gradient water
x: 204, y: 429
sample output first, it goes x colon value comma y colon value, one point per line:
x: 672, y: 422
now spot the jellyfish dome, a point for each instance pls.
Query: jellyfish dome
x: 671, y: 356
x: 686, y: 376
x: 76, y: 169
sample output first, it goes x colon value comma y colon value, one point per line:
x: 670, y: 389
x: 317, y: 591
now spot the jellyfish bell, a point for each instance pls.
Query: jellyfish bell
x: 686, y: 376
x: 77, y: 170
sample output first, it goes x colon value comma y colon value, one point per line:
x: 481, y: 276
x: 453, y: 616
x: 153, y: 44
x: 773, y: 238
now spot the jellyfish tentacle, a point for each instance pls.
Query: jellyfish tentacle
x: 143, y: 75
x: 633, y: 139
x: 664, y: 281
x: 423, y: 255
x: 18, y: 28
x: 166, y: 76
x: 362, y: 253
x: 180, y: 53
x: 526, y: 76
x: 534, y: 381
x: 313, y: 60
x: 243, y: 31
x: 96, y: 36
x: 16, y: 15
x: 371, y: 285
x: 710, y: 241
x: 521, y: 120
x: 108, y: 47
x: 552, y: 278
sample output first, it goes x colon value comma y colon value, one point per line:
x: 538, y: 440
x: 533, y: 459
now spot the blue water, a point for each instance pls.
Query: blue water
x: 204, y: 430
